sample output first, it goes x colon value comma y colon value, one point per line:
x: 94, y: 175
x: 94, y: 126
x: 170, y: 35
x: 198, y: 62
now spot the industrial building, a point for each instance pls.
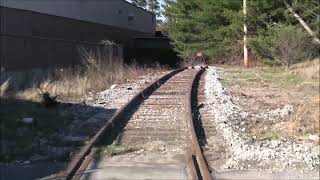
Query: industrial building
x: 46, y: 33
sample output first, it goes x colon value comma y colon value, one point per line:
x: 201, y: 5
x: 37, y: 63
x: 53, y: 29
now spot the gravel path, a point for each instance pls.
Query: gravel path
x: 243, y: 153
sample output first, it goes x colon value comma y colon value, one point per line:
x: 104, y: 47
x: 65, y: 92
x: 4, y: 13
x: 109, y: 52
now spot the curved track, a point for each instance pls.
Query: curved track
x: 162, y: 112
x: 210, y: 140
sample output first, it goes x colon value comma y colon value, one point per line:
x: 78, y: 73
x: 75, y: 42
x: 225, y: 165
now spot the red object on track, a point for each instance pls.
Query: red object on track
x: 199, y: 56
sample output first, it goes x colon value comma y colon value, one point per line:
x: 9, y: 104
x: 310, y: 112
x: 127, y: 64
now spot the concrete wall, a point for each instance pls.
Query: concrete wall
x: 30, y: 39
x: 118, y: 13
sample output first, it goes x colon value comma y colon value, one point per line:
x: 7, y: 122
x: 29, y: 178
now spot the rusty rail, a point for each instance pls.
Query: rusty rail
x: 199, y: 162
x: 76, y: 163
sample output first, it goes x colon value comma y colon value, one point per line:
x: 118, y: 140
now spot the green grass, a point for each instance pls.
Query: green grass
x: 114, y: 149
x: 293, y: 79
x: 262, y: 136
x: 267, y: 75
x: 270, y: 135
x: 226, y: 83
x: 17, y: 137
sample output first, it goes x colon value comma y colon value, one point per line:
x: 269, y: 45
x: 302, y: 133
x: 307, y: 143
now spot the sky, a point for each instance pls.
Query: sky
x: 162, y: 18
x: 161, y: 2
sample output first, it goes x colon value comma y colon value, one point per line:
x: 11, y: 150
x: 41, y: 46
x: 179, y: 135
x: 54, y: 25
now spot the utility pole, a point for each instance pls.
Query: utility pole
x: 245, y: 29
x: 304, y: 24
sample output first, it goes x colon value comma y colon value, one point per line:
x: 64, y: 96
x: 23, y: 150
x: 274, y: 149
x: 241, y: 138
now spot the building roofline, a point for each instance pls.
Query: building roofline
x: 133, y: 5
x: 69, y: 18
x: 139, y: 7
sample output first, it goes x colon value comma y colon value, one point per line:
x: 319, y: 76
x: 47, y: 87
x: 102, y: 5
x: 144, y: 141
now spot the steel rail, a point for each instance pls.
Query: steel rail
x: 199, y: 162
x: 79, y: 160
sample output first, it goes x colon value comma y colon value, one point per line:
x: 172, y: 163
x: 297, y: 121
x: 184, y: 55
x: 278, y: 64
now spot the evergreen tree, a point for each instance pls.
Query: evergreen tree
x: 140, y: 3
x: 275, y: 34
x: 154, y: 7
x: 265, y: 13
x: 216, y: 27
x: 262, y: 14
x: 151, y: 5
x: 213, y: 27
x: 309, y: 11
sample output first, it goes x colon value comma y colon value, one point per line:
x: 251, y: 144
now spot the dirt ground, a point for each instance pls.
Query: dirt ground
x: 49, y: 131
x: 280, y: 102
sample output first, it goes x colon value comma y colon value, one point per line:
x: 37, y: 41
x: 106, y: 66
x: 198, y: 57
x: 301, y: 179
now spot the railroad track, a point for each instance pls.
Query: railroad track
x: 163, y: 112
x: 209, y: 138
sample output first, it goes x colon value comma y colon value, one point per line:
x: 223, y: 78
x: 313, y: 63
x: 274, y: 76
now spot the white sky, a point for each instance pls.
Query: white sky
x: 161, y: 2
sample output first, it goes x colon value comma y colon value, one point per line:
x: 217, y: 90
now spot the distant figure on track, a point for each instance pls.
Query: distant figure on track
x: 199, y: 56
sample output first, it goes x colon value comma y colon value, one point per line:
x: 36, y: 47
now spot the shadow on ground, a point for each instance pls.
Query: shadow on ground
x: 112, y: 139
x: 31, y: 150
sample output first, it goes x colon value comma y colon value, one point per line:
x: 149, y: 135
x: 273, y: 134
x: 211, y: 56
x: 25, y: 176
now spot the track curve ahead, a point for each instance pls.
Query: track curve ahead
x: 157, y: 124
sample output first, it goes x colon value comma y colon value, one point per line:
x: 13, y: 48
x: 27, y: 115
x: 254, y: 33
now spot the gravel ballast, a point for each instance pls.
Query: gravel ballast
x: 245, y: 153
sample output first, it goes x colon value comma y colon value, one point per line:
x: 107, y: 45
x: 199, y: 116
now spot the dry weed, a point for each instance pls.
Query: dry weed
x: 97, y: 72
x: 305, y: 121
x: 4, y: 87
x: 308, y: 69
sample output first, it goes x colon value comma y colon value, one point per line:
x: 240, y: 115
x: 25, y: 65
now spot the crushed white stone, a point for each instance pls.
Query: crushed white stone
x: 116, y: 97
x: 105, y: 104
x: 271, y: 155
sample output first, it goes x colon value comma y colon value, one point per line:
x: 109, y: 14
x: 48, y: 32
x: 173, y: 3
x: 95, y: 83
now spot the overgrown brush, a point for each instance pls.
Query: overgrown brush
x: 97, y: 72
x: 305, y: 120
x: 308, y: 69
x: 284, y: 46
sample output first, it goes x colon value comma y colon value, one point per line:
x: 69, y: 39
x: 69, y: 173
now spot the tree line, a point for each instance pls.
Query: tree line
x: 216, y: 28
x: 151, y: 5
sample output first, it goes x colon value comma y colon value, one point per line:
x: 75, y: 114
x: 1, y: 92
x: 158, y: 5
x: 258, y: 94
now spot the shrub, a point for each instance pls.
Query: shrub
x: 284, y: 45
